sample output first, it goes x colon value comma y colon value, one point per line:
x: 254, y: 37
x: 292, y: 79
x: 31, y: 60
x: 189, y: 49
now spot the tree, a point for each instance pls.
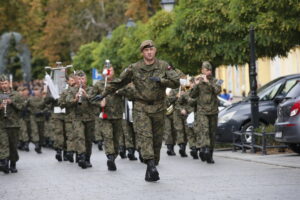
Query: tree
x: 142, y: 9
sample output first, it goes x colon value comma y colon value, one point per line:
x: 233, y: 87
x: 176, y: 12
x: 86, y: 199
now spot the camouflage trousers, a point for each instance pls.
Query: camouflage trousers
x: 59, y: 134
x: 24, y: 132
x: 205, y: 129
x: 70, y: 135
x: 9, y: 142
x: 49, y: 128
x: 37, y: 130
x: 169, y: 131
x: 150, y: 129
x: 4, y: 144
x: 130, y: 139
x: 83, y: 136
x: 111, y: 130
x: 191, y: 137
x: 98, y: 127
x: 180, y: 127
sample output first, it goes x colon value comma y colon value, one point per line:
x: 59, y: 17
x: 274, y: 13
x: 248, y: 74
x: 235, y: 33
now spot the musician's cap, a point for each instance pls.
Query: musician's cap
x: 80, y: 73
x: 3, y: 78
x: 146, y: 44
x: 206, y: 65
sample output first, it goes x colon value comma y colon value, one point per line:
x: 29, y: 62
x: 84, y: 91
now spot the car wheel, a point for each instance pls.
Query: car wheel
x: 295, y: 148
x: 248, y: 127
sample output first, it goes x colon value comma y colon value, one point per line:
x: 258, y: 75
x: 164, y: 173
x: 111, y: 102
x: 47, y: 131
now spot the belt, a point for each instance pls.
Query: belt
x: 150, y: 102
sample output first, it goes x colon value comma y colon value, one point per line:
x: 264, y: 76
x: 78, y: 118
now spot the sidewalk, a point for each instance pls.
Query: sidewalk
x: 291, y: 160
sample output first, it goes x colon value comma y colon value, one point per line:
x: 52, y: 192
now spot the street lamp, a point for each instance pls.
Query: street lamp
x: 168, y: 5
x: 130, y: 23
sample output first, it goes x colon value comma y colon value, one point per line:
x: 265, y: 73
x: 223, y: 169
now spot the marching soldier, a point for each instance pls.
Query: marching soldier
x: 150, y: 77
x: 206, y: 93
x: 111, y: 120
x: 10, y: 106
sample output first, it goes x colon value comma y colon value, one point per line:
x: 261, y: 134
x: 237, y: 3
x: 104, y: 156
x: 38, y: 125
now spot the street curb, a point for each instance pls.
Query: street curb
x: 259, y: 161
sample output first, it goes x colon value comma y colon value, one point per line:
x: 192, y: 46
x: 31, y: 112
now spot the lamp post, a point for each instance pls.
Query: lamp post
x: 168, y: 5
x: 253, y: 86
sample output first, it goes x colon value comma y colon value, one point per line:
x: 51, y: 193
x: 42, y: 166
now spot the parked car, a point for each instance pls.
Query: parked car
x: 223, y: 103
x: 237, y: 117
x: 288, y: 121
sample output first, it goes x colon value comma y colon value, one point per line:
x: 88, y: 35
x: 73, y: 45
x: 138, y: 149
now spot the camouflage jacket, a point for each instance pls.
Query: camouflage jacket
x: 37, y: 107
x: 150, y: 95
x: 11, y: 118
x: 77, y: 111
x: 114, y: 102
x: 206, y: 95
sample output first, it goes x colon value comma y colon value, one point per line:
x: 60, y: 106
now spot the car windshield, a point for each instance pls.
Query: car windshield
x: 295, y: 91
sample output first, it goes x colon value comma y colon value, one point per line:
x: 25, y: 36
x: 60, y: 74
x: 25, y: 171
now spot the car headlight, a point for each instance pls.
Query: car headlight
x: 225, y: 118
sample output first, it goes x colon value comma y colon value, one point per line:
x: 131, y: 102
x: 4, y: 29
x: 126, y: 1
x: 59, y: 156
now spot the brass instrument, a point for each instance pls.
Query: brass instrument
x: 4, y: 98
x: 170, y: 110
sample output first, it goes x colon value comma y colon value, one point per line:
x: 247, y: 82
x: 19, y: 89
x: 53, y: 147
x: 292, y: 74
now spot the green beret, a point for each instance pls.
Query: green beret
x: 80, y: 73
x: 206, y: 65
x: 3, y: 78
x: 146, y: 44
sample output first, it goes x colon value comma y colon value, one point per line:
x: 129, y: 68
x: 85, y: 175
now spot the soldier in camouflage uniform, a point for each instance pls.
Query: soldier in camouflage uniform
x: 80, y: 108
x: 37, y: 107
x: 68, y: 128
x: 150, y: 77
x: 169, y: 132
x: 9, y: 116
x: 24, y: 121
x: 111, y: 120
x: 206, y: 93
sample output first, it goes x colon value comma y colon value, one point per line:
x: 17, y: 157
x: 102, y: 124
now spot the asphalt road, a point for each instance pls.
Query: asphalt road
x: 234, y: 176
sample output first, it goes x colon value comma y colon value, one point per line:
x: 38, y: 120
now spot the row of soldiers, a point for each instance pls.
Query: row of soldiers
x: 83, y: 114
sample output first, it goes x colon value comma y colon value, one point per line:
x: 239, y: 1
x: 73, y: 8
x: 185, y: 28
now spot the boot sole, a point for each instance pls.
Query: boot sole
x: 111, y: 165
x: 152, y: 178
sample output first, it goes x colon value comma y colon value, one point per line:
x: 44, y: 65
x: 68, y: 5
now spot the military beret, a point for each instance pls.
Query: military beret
x: 146, y: 44
x: 3, y: 78
x: 206, y: 65
x: 80, y: 73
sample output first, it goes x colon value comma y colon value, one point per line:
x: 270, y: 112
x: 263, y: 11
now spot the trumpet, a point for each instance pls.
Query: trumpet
x: 4, y: 103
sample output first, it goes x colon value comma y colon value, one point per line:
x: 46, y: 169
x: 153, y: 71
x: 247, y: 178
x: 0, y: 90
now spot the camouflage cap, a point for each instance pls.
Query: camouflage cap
x: 146, y: 44
x: 206, y: 65
x: 3, y: 78
x: 80, y: 73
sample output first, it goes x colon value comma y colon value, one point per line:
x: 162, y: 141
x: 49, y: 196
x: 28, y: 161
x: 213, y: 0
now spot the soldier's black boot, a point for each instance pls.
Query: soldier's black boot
x: 100, y: 145
x: 70, y: 156
x: 21, y: 145
x: 111, y: 165
x: 4, y: 166
x: 13, y: 167
x: 152, y: 174
x: 130, y: 154
x: 182, y: 148
x: 58, y: 155
x: 170, y: 150
x: 65, y: 156
x: 38, y: 148
x: 122, y: 152
x: 82, y: 161
x: 88, y: 161
x: 194, y: 152
x: 202, y: 154
x: 210, y: 159
x: 26, y: 146
x: 140, y: 156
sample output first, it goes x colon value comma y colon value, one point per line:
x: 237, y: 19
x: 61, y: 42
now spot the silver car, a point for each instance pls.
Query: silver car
x: 288, y: 120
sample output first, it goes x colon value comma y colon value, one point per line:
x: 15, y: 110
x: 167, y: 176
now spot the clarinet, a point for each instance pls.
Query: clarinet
x: 80, y: 94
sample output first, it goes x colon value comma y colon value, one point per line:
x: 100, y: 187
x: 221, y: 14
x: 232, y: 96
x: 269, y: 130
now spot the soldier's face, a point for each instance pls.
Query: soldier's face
x: 37, y: 92
x: 81, y: 80
x: 149, y: 53
x: 24, y: 93
x: 4, y: 85
x: 206, y: 72
x: 71, y: 81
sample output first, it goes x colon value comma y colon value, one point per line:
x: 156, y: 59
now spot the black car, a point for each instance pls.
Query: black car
x: 288, y: 122
x: 237, y: 117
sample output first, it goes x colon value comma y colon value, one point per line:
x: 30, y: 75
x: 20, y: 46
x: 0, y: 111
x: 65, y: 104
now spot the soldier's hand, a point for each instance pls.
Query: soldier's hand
x: 183, y: 112
x: 155, y: 79
x: 97, y: 98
